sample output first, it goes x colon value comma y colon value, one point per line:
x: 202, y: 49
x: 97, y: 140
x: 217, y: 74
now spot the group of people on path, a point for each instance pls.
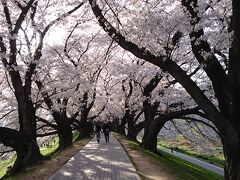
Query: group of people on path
x: 104, y: 128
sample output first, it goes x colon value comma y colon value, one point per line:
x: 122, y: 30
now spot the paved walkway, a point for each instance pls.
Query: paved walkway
x: 104, y: 161
x: 193, y: 160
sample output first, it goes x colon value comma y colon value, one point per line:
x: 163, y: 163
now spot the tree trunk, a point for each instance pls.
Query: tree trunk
x: 118, y: 128
x: 27, y: 150
x: 150, y: 142
x: 27, y: 155
x: 121, y: 128
x: 232, y: 162
x: 131, y: 134
x: 65, y: 135
x: 124, y: 120
x: 115, y: 125
x: 149, y: 117
x: 84, y: 133
x: 232, y: 152
x: 232, y: 169
x: 64, y: 129
x: 85, y: 126
x: 85, y: 129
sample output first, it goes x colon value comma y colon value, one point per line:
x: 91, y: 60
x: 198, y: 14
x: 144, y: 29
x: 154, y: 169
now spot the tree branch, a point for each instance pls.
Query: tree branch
x: 47, y: 134
x: 47, y: 122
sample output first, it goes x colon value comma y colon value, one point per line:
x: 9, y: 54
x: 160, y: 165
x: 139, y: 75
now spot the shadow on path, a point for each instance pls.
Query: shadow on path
x: 106, y: 161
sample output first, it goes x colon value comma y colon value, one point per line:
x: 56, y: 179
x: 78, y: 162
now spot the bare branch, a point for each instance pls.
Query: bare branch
x: 5, y: 115
x: 7, y: 15
x: 47, y: 122
x: 60, y: 17
x: 201, y: 121
x: 47, y: 134
x: 9, y: 84
x: 18, y: 4
x: 113, y: 13
x: 22, y: 16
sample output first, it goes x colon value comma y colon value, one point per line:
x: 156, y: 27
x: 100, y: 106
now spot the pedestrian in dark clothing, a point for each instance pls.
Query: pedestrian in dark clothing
x: 106, y: 131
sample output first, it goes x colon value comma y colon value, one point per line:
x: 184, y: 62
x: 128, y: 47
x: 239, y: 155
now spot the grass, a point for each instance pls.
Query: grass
x: 5, y: 164
x: 216, y: 159
x: 75, y: 135
x: 181, y: 168
x: 51, y: 148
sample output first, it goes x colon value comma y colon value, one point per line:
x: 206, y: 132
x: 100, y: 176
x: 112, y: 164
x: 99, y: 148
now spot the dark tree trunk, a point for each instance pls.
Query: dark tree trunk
x: 118, y: 128
x: 85, y: 127
x: 149, y: 108
x: 150, y: 142
x: 133, y: 127
x: 115, y: 125
x: 64, y: 129
x: 27, y: 154
x: 27, y: 151
x: 232, y: 162
x: 158, y: 123
x: 121, y: 127
x: 65, y: 134
x: 84, y: 133
x: 131, y: 134
x: 65, y: 137
x: 232, y: 152
x: 149, y: 117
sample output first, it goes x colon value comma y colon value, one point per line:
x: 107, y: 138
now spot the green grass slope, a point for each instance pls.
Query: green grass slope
x: 180, y: 168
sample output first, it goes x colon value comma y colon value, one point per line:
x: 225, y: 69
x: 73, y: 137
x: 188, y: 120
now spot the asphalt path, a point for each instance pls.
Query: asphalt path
x: 193, y: 160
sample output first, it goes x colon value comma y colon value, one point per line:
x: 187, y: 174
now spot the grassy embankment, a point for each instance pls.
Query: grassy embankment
x: 4, y: 164
x: 181, y: 168
x: 46, y: 151
x: 216, y: 159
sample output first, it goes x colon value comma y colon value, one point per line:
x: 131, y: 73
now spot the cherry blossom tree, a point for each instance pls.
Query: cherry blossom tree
x: 20, y: 62
x: 194, y: 17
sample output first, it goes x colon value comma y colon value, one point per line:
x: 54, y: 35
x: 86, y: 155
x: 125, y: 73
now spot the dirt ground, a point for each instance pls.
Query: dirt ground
x: 148, y: 168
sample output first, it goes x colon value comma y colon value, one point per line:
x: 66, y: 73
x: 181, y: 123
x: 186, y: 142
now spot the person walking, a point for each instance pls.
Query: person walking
x: 98, y: 130
x: 106, y: 131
